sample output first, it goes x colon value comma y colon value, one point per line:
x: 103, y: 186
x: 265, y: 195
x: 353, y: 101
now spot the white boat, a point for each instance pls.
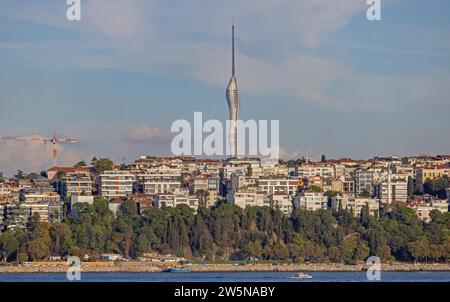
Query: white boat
x: 300, y: 276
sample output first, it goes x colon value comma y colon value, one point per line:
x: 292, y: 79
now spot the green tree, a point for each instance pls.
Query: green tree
x: 8, y: 245
x: 437, y: 186
x: 80, y: 164
x: 410, y: 188
x: 102, y: 164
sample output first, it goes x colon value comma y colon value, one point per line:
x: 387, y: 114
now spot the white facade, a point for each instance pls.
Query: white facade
x: 311, y: 200
x: 115, y: 184
x: 311, y: 170
x: 89, y: 199
x: 394, y: 188
x: 423, y: 210
x: 281, y: 201
x: 244, y: 198
x: 160, y: 186
x: 78, y: 185
x: 177, y: 197
x: 275, y: 185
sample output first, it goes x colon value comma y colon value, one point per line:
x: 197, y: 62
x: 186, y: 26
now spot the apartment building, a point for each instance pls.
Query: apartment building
x: 311, y: 200
x: 19, y: 215
x: 278, y: 184
x: 271, y: 170
x: 355, y: 204
x: 77, y: 184
x: 52, y: 172
x: 37, y: 195
x: 246, y: 197
x: 282, y: 202
x: 343, y: 185
x: 229, y: 170
x: 310, y: 170
x: 177, y: 197
x: 393, y: 188
x: 161, y: 185
x: 239, y: 181
x: 423, y: 209
x: 316, y: 181
x: 199, y: 182
x: 114, y: 184
x: 364, y: 182
x: 424, y: 174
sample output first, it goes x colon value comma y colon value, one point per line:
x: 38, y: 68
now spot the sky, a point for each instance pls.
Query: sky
x: 339, y: 85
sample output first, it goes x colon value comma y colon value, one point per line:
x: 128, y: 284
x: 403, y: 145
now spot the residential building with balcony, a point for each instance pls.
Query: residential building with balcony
x: 114, y: 184
x: 311, y: 200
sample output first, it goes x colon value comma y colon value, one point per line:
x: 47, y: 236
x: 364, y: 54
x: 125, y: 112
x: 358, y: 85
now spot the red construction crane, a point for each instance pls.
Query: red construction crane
x: 54, y: 140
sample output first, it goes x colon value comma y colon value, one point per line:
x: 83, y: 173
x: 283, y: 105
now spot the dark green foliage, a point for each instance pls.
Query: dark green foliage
x: 437, y: 186
x: 227, y: 232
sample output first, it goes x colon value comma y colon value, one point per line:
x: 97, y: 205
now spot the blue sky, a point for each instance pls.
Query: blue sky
x: 339, y: 84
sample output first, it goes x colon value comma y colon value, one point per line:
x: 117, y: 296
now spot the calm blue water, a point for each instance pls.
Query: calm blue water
x: 230, y: 277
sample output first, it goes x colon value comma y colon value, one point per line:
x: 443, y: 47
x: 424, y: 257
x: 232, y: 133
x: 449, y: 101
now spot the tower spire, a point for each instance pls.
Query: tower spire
x: 232, y: 45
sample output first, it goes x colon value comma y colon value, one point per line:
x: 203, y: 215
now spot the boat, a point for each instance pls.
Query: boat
x: 179, y: 269
x: 300, y: 276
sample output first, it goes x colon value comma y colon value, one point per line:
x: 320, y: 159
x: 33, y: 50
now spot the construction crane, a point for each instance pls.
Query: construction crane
x: 54, y: 140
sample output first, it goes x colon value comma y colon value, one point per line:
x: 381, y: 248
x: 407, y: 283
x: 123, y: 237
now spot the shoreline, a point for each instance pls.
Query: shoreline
x: 145, y: 267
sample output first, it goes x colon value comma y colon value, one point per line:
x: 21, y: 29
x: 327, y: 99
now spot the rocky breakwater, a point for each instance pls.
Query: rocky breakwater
x: 317, y: 267
x: 85, y: 267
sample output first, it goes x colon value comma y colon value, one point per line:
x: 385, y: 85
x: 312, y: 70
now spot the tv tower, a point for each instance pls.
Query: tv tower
x: 233, y: 100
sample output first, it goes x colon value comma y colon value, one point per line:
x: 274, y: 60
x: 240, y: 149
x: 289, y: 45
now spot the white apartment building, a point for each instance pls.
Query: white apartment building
x: 33, y: 196
x: 311, y: 200
x: 161, y: 185
x: 364, y: 181
x: 78, y: 185
x: 373, y: 203
x: 275, y: 185
x: 115, y: 184
x: 424, y: 174
x: 159, y: 171
x: 89, y: 199
x: 229, y: 170
x: 310, y: 170
x: 199, y: 182
x: 246, y: 197
x: 271, y: 170
x: 355, y: 204
x: 177, y: 197
x: 239, y: 181
x: 394, y: 188
x: 423, y: 210
x: 211, y: 167
x: 281, y: 201
x: 20, y: 214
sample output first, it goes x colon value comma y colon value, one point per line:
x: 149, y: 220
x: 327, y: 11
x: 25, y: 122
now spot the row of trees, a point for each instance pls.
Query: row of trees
x: 227, y: 232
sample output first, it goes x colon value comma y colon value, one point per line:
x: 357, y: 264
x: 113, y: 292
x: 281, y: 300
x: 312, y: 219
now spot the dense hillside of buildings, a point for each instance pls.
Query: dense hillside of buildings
x: 336, y: 210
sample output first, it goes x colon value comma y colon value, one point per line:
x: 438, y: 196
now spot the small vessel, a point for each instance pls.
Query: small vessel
x: 180, y: 269
x: 300, y: 276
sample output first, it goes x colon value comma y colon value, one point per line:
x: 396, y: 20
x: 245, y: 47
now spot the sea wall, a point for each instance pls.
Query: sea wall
x: 151, y: 267
x: 322, y: 267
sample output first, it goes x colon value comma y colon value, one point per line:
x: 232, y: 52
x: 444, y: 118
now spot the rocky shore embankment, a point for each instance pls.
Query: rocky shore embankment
x: 322, y: 267
x: 138, y: 267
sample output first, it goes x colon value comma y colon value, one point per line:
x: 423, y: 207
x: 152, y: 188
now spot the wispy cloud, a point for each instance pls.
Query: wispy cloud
x: 146, y: 133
